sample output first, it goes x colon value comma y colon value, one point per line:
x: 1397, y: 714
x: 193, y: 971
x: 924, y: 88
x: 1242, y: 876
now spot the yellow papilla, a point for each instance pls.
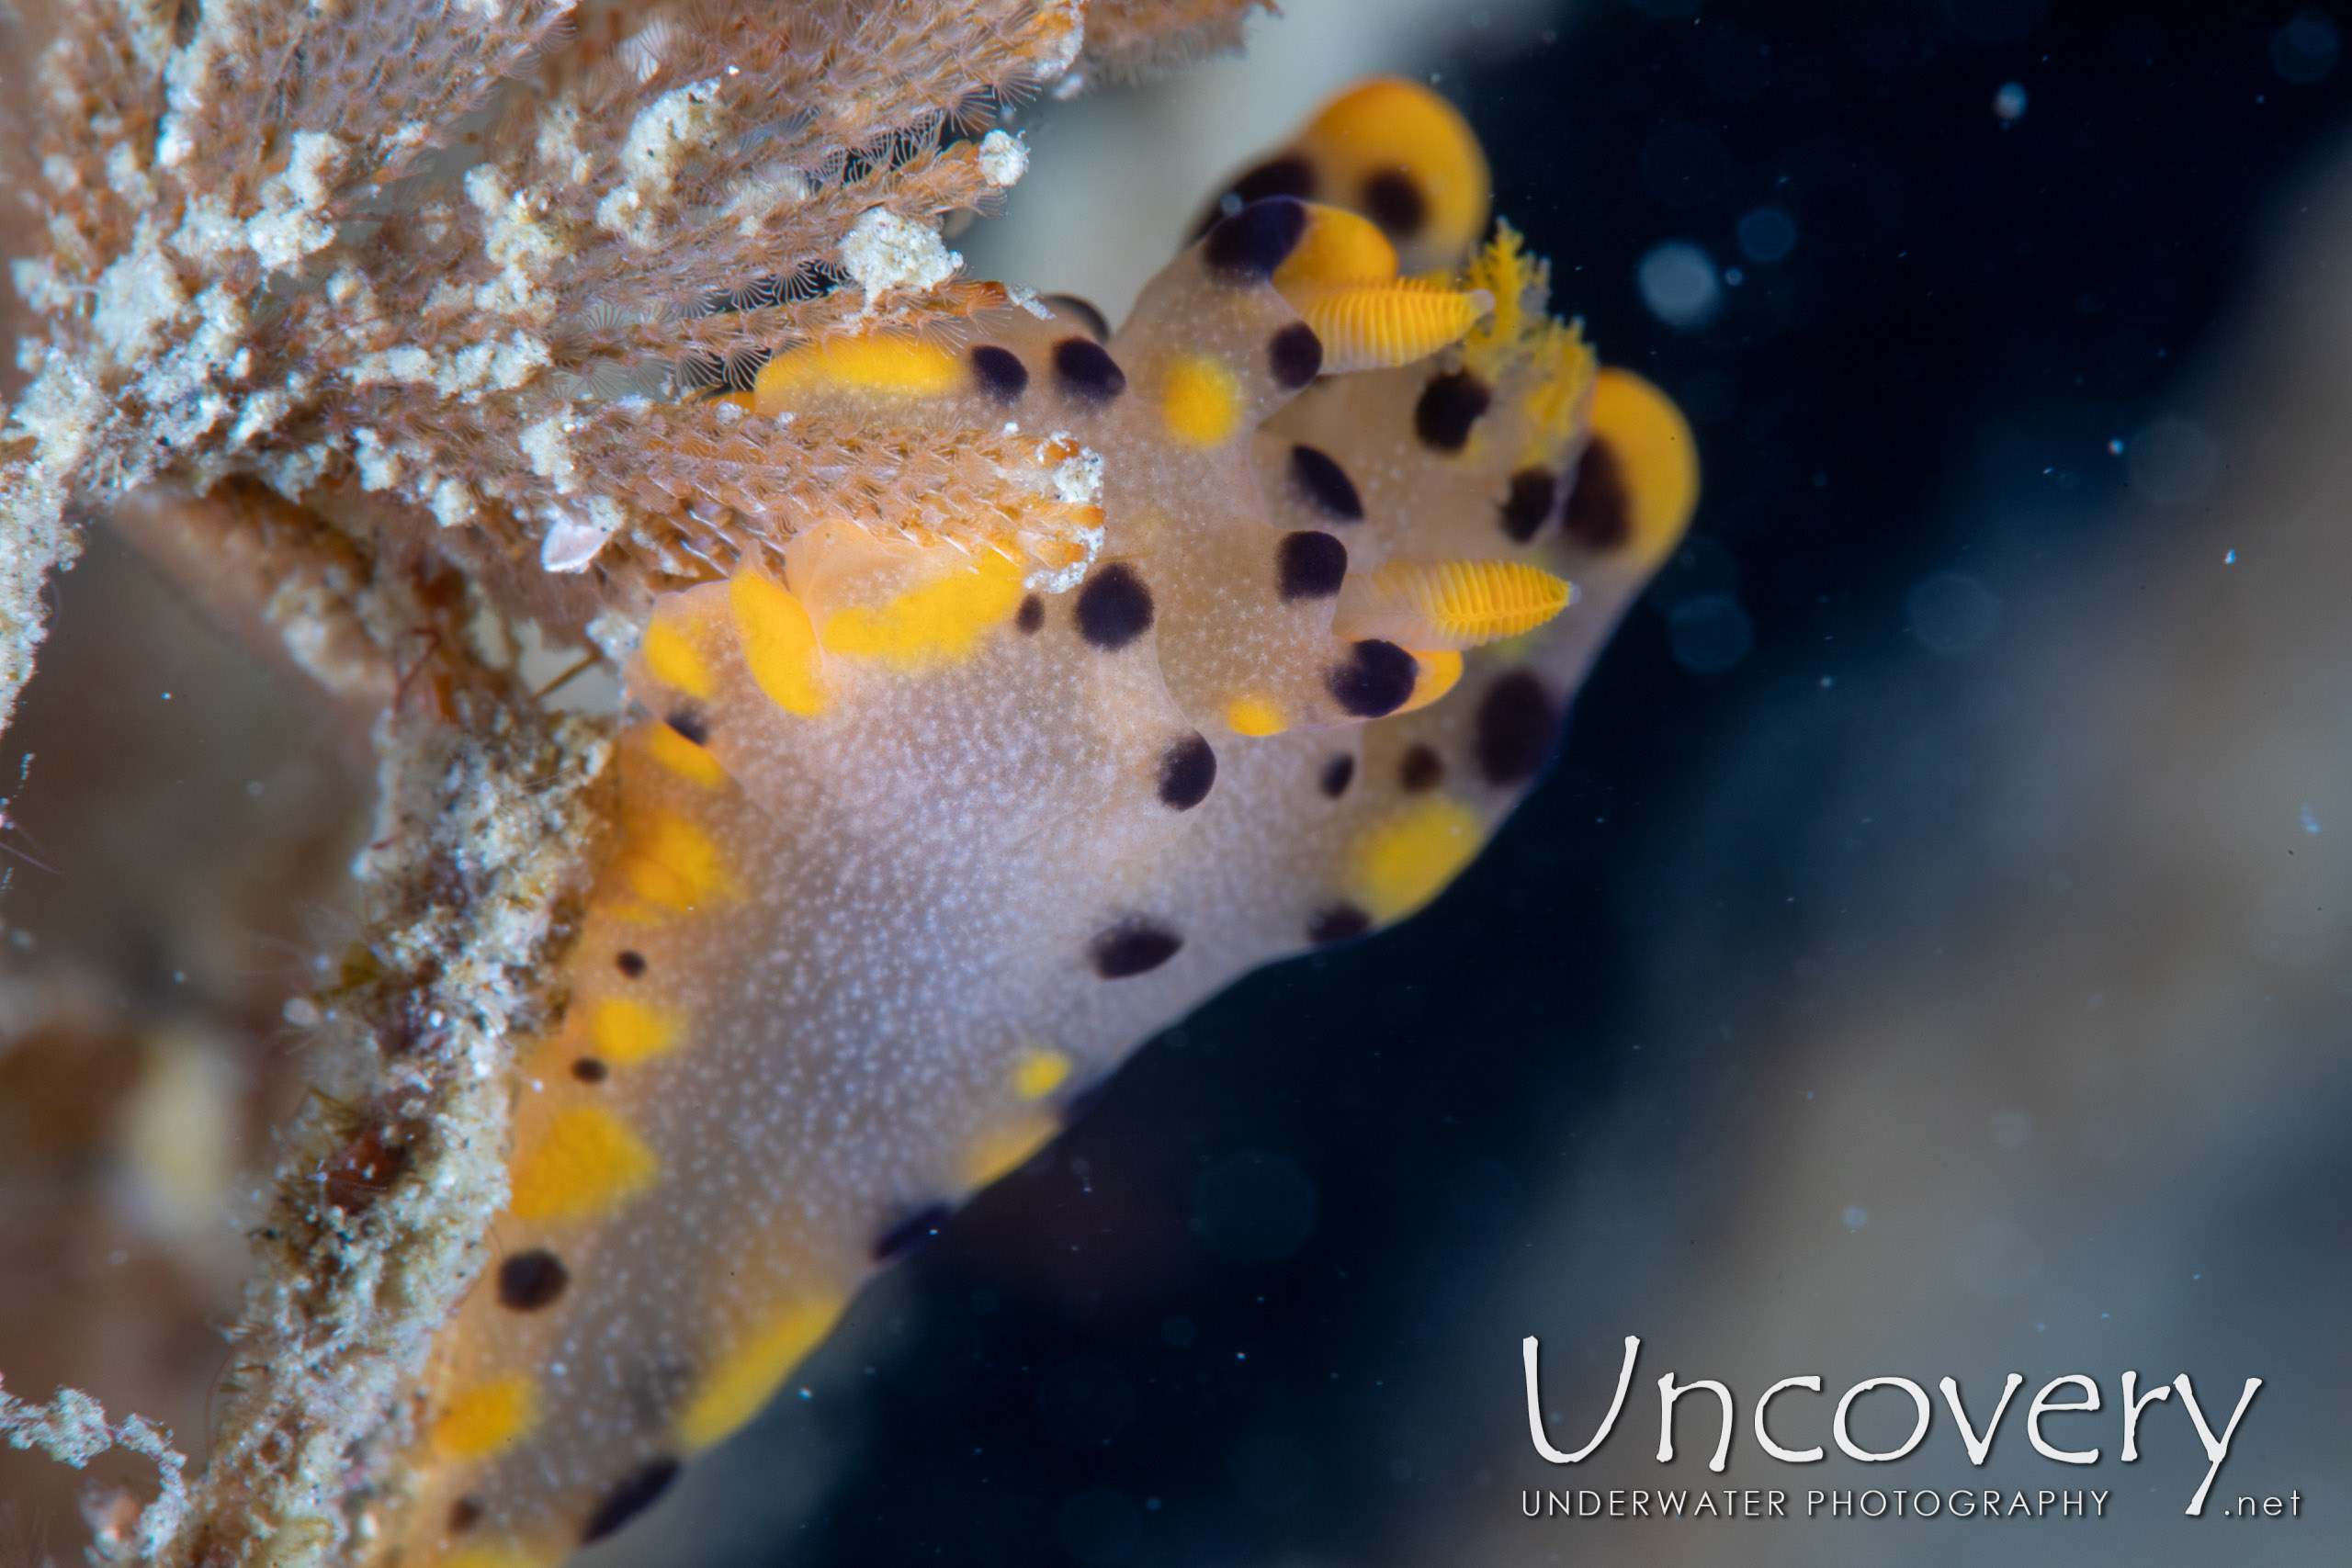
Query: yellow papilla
x: 1401, y: 863
x: 673, y: 660
x: 1658, y: 460
x: 625, y: 1031
x: 743, y: 1378
x: 1381, y: 325
x: 1004, y: 1147
x: 880, y: 363
x: 1254, y: 716
x: 779, y: 643
x: 583, y: 1163
x: 940, y: 622
x: 1201, y: 401
x: 481, y: 1420
x: 682, y: 756
x: 672, y: 864
x: 1339, y: 247
x: 1430, y: 605
x: 1438, y: 671
x: 1039, y: 1072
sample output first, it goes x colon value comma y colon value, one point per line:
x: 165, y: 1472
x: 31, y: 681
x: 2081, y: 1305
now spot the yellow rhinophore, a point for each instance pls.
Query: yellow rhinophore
x: 881, y: 363
x: 1377, y: 326
x: 1402, y: 862
x: 1200, y: 400
x: 779, y: 643
x: 584, y: 1161
x: 1641, y: 431
x: 743, y: 1377
x: 1426, y: 606
x: 486, y: 1417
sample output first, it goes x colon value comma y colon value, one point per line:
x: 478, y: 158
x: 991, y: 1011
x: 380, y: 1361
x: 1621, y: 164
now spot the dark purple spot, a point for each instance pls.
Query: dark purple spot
x: 1294, y: 356
x: 911, y: 1232
x: 1337, y: 922
x: 1533, y: 492
x: 1376, y: 679
x: 1326, y: 484
x: 1113, y: 607
x: 1086, y: 372
x: 1308, y: 565
x: 1133, y: 947
x: 1002, y: 374
x: 631, y: 962
x: 1248, y: 246
x: 1601, y: 512
x: 1392, y: 199
x: 1338, y: 772
x: 464, y: 1513
x: 1448, y: 406
x: 1517, y: 725
x: 529, y: 1280
x: 1419, y: 769
x: 690, y: 725
x: 590, y: 1070
x: 1032, y: 613
x: 628, y: 1497
x: 1187, y: 769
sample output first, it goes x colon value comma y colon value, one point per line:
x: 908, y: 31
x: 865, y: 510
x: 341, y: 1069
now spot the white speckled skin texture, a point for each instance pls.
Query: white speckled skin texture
x: 851, y: 962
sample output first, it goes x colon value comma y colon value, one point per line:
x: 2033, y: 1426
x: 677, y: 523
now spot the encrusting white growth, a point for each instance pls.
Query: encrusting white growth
x: 1003, y: 159
x: 72, y: 1428
x: 886, y: 252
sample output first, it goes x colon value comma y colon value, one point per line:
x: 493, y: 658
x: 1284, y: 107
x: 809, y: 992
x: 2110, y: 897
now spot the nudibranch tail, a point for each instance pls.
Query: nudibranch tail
x: 920, y: 832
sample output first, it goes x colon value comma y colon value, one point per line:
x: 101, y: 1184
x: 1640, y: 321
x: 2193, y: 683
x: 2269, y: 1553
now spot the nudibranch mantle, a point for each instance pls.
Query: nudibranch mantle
x: 912, y: 851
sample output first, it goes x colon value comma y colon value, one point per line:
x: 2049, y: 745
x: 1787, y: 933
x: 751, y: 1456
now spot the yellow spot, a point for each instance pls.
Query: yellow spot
x: 1427, y: 605
x: 743, y: 1378
x: 486, y: 1419
x: 1337, y: 247
x: 1658, y: 460
x: 1039, y: 1072
x: 682, y: 756
x: 1254, y: 715
x: 627, y: 1030
x: 1401, y: 863
x: 586, y: 1161
x: 1436, y: 673
x: 880, y: 365
x: 675, y: 660
x: 779, y: 643
x: 1005, y: 1147
x: 941, y: 622
x: 1201, y: 401
x: 672, y: 864
x: 1387, y: 126
x: 1379, y: 326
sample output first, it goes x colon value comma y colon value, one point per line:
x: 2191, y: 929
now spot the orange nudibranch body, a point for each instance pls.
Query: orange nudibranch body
x: 916, y: 845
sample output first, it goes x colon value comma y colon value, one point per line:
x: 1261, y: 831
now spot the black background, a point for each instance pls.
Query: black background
x: 1971, y: 313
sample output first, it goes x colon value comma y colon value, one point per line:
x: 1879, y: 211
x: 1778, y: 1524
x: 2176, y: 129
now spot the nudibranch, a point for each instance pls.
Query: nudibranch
x: 917, y: 841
